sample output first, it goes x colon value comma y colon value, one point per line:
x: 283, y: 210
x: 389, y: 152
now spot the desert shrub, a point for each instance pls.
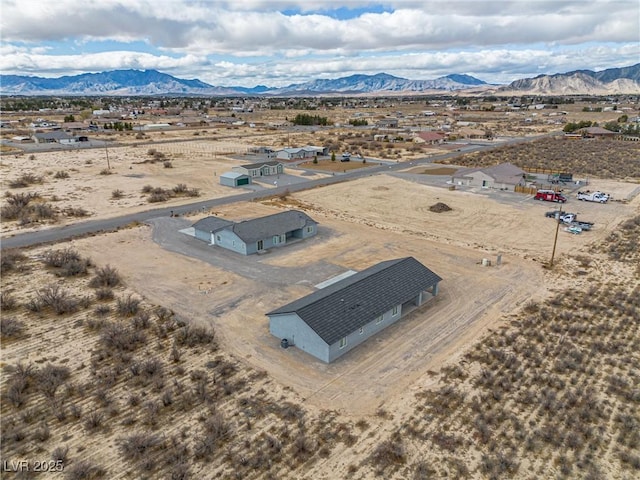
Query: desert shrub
x: 103, y: 310
x: 104, y: 293
x: 60, y: 454
x: 61, y: 174
x: 105, y: 171
x: 127, y: 306
x: 214, y: 433
x: 121, y: 338
x: 9, y: 260
x: 60, y: 258
x: 117, y: 193
x: 168, y: 164
x: 422, y: 471
x: 73, y: 268
x: 141, y: 321
x: 389, y: 452
x: 10, y: 327
x: 42, y: 433
x: 106, y: 276
x: 20, y: 206
x: 50, y: 377
x: 94, y: 420
x: 77, y: 212
x: 44, y: 211
x: 191, y: 336
x: 192, y: 192
x: 56, y: 298
x: 158, y: 197
x: 135, y: 447
x: 7, y: 301
x: 84, y: 470
x: 180, y: 188
x: 25, y: 180
x: 147, y: 189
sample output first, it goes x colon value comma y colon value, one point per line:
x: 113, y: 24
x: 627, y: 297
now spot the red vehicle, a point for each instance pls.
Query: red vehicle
x: 550, y: 196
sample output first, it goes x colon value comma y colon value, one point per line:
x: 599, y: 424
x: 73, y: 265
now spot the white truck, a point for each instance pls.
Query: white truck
x: 593, y: 196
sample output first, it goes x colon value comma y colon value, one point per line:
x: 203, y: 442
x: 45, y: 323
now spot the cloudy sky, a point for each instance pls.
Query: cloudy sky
x: 279, y: 42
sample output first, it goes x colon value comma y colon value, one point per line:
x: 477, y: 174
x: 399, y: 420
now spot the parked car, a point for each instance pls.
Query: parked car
x: 346, y: 156
x: 550, y: 196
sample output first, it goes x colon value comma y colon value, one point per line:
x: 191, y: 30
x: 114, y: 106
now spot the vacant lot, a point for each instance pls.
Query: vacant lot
x: 585, y: 157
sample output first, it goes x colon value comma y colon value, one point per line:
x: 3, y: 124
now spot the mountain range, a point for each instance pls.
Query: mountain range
x: 151, y: 82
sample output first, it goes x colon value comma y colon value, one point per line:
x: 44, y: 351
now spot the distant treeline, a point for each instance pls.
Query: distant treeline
x: 305, y: 119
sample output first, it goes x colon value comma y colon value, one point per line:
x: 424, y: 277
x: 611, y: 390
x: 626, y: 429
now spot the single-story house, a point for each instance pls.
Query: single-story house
x: 504, y: 176
x: 258, y: 234
x: 260, y: 169
x: 597, y: 132
x: 56, y: 136
x: 301, y: 153
x: 262, y: 150
x: 234, y: 179
x: 387, y: 123
x: 335, y: 319
x: 430, y: 138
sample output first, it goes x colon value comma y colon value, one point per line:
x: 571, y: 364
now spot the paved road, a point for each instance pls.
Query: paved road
x: 104, y: 225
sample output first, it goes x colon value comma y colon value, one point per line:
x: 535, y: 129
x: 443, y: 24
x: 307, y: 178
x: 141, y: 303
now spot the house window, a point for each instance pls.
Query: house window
x: 217, y: 238
x: 309, y: 229
x: 394, y: 311
x: 379, y: 319
x: 361, y: 331
x: 276, y: 239
x: 343, y: 342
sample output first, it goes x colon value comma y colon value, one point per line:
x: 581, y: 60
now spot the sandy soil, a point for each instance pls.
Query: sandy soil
x: 362, y: 222
x: 452, y: 244
x: 196, y: 164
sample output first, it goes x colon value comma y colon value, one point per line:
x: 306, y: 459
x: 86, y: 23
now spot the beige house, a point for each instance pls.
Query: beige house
x: 503, y: 177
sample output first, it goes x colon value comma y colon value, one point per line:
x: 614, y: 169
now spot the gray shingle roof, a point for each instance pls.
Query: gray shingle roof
x: 211, y: 224
x: 259, y: 165
x: 279, y: 223
x: 340, y: 309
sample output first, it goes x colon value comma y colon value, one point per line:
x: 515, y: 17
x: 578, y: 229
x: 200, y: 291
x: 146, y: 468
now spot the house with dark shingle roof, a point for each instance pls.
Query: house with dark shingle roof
x: 258, y: 234
x: 335, y: 319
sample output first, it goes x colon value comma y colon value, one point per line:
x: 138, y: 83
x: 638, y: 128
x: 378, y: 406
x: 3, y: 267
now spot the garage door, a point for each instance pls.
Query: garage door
x: 243, y: 181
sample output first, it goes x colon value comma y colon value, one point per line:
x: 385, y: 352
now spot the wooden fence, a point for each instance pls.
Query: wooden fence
x: 533, y: 190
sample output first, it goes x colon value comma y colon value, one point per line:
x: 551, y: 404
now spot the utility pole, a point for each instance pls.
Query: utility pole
x: 106, y: 149
x: 555, y: 240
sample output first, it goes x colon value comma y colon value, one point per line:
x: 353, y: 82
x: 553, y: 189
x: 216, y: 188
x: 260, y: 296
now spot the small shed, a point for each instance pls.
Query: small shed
x: 234, y: 179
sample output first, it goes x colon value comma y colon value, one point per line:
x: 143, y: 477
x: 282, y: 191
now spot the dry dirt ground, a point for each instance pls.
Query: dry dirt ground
x: 368, y: 398
x: 452, y: 244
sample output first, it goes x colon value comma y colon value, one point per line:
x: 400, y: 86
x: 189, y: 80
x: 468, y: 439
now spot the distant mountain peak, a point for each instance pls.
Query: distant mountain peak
x: 613, y: 81
x: 152, y: 82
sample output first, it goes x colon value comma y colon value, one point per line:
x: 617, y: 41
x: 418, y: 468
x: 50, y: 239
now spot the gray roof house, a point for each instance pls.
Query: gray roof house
x: 262, y: 169
x: 301, y: 152
x: 56, y: 136
x: 504, y: 176
x: 333, y: 320
x: 258, y: 234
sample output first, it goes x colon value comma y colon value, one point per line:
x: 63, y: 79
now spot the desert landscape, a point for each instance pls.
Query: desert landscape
x: 146, y: 353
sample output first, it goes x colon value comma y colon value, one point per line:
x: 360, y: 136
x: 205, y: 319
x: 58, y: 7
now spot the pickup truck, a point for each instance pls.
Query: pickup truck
x: 593, y: 196
x: 569, y: 218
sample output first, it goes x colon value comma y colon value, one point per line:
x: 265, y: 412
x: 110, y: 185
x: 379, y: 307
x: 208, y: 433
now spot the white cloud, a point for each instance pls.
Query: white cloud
x: 252, y: 41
